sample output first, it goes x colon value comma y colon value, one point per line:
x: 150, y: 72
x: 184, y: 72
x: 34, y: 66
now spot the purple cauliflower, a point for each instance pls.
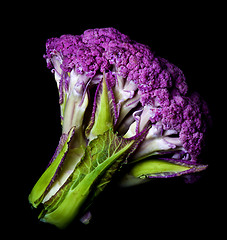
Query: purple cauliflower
x: 114, y: 89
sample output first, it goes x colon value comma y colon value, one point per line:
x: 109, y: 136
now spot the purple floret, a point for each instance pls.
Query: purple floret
x: 160, y: 84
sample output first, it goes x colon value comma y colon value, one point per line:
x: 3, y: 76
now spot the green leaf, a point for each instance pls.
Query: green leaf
x: 159, y: 168
x: 155, y: 167
x: 38, y: 191
x: 103, y: 119
x: 99, y: 156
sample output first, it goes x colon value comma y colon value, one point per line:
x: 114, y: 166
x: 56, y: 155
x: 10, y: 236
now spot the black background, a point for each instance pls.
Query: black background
x: 188, y: 36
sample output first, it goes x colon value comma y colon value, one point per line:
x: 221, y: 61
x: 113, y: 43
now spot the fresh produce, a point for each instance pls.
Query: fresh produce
x: 121, y: 106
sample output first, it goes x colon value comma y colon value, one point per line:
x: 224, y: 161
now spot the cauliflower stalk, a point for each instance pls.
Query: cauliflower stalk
x: 121, y: 107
